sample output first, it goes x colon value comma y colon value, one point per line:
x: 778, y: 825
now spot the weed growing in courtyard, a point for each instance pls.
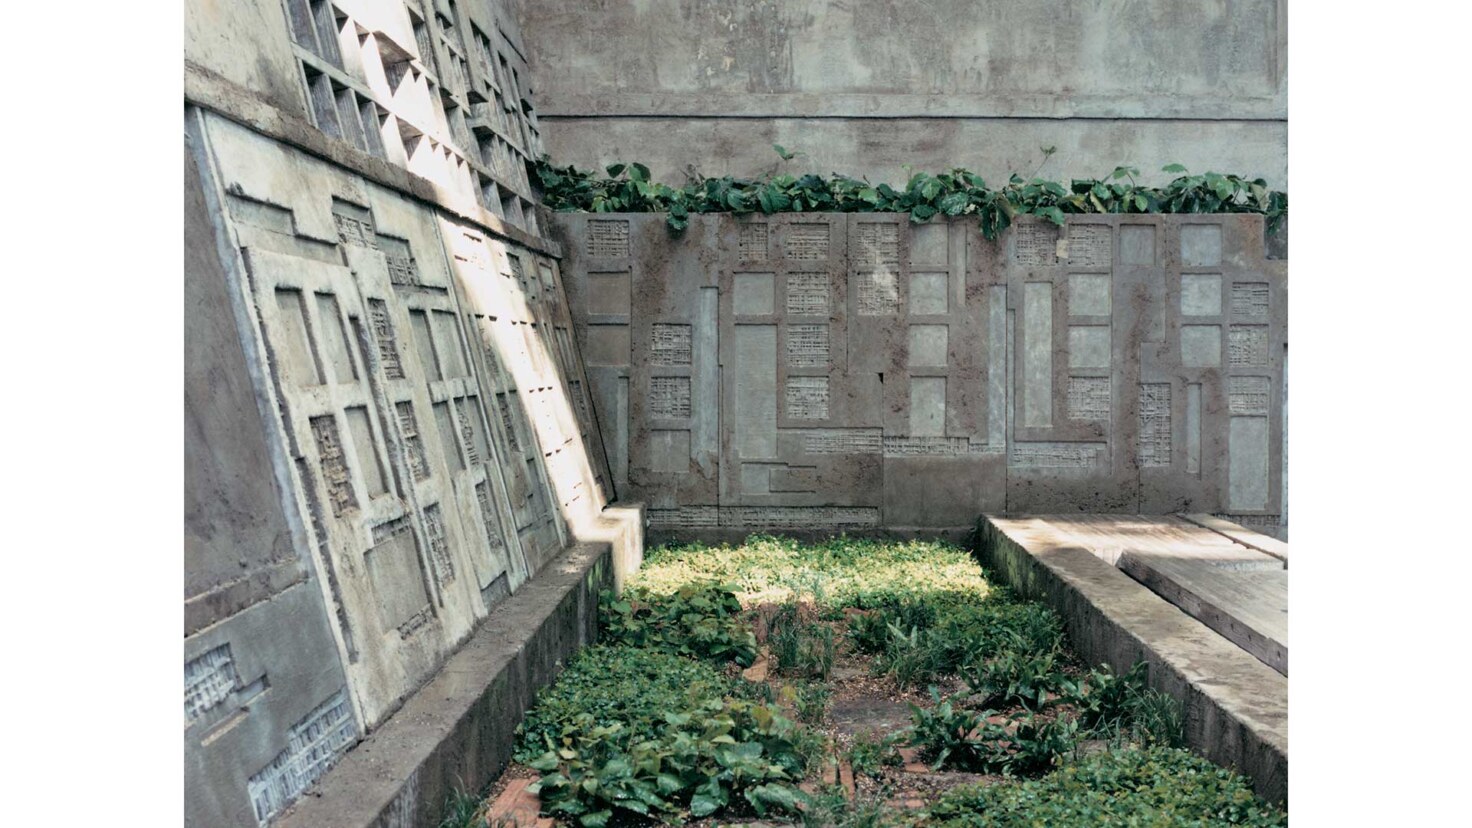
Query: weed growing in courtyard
x: 1155, y: 786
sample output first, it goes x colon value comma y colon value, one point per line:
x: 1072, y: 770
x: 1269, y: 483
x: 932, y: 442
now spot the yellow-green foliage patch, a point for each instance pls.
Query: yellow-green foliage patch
x: 835, y: 574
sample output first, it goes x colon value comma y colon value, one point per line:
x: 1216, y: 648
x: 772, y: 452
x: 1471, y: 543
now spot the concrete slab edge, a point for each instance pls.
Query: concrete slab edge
x: 457, y: 732
x: 1255, y: 540
x: 1235, y: 707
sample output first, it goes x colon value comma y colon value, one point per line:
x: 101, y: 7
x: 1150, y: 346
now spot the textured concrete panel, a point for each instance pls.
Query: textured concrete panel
x: 1039, y: 371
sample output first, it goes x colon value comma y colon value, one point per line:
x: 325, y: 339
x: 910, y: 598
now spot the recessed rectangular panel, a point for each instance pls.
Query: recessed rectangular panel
x: 366, y: 450
x: 1088, y: 294
x: 396, y: 574
x: 928, y: 344
x: 1037, y: 353
x: 449, y: 441
x: 1137, y: 245
x: 1247, y: 459
x: 295, y: 349
x: 1088, y: 346
x: 1193, y: 428
x: 756, y: 391
x: 754, y: 294
x: 608, y: 345
x: 1201, y: 245
x: 424, y: 344
x: 930, y: 293
x: 930, y: 243
x: 335, y: 340
x: 1201, y: 294
x: 927, y: 406
x: 608, y: 294
x: 669, y: 451
x: 1201, y: 346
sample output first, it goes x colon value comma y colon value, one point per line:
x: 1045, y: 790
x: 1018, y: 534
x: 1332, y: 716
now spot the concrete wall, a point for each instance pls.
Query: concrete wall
x: 388, y: 425
x: 866, y: 87
x: 827, y: 372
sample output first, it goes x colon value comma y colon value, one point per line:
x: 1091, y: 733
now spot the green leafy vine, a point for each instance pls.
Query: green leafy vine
x: 960, y: 192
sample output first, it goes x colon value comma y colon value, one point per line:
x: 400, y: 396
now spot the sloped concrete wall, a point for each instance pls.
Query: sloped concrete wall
x: 856, y: 372
x: 865, y: 88
x: 389, y: 431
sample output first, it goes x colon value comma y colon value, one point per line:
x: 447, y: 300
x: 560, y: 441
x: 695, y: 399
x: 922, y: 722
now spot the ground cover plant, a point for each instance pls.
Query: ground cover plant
x: 852, y: 683
x: 959, y: 192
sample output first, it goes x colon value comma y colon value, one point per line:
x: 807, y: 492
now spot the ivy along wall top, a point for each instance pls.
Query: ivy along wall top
x: 834, y: 371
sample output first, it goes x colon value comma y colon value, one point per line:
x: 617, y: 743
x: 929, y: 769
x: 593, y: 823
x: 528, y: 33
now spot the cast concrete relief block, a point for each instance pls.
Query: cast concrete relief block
x: 1117, y: 364
x: 431, y: 434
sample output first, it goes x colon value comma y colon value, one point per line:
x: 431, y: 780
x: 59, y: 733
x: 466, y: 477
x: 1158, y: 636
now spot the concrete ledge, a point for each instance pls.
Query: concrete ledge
x: 961, y: 535
x: 1236, y: 707
x: 458, y: 731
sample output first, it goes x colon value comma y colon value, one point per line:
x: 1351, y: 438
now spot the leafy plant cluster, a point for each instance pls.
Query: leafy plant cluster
x: 699, y: 620
x: 959, y: 192
x: 694, y: 763
x: 1152, y: 786
x: 650, y: 732
x: 921, y: 639
x: 968, y: 733
x: 983, y: 741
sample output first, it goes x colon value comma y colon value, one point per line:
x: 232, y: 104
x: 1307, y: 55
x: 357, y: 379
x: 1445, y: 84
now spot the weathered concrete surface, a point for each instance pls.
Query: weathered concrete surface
x: 1248, y: 607
x: 831, y: 372
x: 438, y: 100
x: 675, y: 83
x: 254, y: 615
x: 1236, y: 707
x: 458, y: 731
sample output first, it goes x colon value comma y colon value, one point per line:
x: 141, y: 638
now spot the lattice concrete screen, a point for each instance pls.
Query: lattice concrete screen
x: 849, y: 371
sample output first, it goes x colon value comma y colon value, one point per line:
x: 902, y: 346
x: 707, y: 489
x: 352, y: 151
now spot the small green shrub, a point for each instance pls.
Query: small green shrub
x: 943, y: 732
x: 1153, y: 787
x: 697, y: 620
x: 800, y: 648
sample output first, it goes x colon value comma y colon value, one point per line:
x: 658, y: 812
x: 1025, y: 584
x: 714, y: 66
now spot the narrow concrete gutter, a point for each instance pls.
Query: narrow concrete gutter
x: 458, y: 731
x: 1236, y: 707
